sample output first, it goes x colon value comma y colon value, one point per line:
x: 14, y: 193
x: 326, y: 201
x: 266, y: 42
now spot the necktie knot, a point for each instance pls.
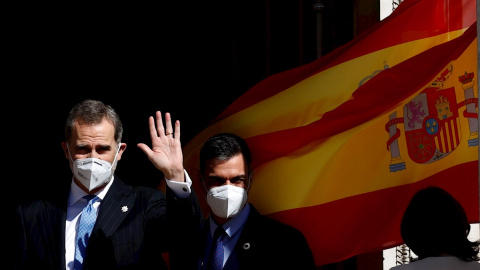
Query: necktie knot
x: 90, y: 197
x: 218, y: 234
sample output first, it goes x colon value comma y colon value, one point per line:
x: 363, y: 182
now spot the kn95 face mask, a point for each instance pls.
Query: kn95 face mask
x: 226, y: 201
x: 93, y: 172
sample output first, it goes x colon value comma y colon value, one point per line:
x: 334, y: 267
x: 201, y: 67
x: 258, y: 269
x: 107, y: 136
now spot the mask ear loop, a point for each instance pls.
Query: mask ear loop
x: 116, y: 154
x: 204, y: 186
x: 114, y: 165
x: 249, y: 181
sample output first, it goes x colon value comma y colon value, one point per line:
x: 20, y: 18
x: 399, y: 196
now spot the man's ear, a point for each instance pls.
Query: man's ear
x: 65, y: 150
x: 123, y: 146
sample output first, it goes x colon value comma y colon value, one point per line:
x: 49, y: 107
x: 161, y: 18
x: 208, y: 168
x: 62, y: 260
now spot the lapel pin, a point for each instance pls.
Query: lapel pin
x: 124, y: 208
x: 246, y: 246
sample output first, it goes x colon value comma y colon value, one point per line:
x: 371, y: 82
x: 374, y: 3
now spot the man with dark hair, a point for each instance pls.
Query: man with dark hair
x: 247, y: 239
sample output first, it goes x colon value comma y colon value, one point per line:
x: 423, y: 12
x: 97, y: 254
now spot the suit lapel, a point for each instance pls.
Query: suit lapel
x: 116, y: 205
x: 248, y: 238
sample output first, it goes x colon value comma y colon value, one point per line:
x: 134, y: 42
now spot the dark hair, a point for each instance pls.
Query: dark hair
x: 435, y: 223
x: 92, y: 112
x: 222, y: 147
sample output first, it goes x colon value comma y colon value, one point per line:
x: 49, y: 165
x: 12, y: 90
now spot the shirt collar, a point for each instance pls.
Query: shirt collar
x: 76, y: 193
x: 233, y: 225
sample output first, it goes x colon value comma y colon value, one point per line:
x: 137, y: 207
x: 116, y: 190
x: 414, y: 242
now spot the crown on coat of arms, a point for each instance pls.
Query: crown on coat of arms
x: 466, y: 78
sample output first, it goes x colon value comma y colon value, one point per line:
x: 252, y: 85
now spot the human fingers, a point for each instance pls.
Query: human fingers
x: 177, y: 130
x: 168, y: 124
x: 160, y: 128
x: 144, y: 148
x: 151, y: 127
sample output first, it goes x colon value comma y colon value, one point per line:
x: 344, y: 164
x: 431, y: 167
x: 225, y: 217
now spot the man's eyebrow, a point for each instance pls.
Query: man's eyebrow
x: 104, y: 146
x: 82, y: 145
x: 222, y: 178
x: 215, y: 177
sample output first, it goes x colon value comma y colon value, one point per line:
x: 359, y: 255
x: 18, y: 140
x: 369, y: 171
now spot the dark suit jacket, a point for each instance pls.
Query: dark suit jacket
x: 263, y: 244
x: 134, y: 239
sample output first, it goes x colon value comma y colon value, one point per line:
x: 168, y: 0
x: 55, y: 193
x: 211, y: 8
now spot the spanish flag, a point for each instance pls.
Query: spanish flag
x: 341, y: 144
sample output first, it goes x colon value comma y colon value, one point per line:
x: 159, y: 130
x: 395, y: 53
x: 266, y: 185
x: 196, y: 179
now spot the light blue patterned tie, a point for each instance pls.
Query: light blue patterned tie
x: 85, y: 226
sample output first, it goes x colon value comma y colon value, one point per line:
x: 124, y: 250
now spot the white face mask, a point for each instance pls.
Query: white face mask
x: 93, y: 172
x: 226, y: 201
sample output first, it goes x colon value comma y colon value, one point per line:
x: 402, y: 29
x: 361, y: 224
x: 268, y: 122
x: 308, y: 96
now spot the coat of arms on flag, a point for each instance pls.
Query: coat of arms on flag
x: 431, y: 121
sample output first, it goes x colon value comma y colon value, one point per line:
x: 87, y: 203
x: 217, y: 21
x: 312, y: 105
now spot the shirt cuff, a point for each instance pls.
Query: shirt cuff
x: 181, y: 190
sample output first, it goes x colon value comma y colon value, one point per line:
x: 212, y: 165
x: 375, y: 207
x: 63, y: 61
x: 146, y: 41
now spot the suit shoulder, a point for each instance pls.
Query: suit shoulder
x: 144, y: 189
x: 149, y: 192
x: 30, y: 210
x: 273, y: 226
x: 35, y: 204
x: 276, y: 225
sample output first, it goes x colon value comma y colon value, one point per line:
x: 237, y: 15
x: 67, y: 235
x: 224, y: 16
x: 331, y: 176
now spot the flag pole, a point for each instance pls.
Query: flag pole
x: 478, y: 90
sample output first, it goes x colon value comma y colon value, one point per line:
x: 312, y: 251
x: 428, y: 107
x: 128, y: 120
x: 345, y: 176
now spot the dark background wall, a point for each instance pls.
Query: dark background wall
x: 189, y: 58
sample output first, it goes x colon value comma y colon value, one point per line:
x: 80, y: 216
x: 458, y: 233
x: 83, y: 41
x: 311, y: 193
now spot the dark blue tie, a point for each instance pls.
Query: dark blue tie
x: 85, y: 226
x: 215, y: 261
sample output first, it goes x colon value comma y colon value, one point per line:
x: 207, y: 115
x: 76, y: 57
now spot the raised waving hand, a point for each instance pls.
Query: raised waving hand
x: 166, y: 152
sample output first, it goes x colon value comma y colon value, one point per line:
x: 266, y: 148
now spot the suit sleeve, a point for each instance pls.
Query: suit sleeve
x: 185, y: 219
